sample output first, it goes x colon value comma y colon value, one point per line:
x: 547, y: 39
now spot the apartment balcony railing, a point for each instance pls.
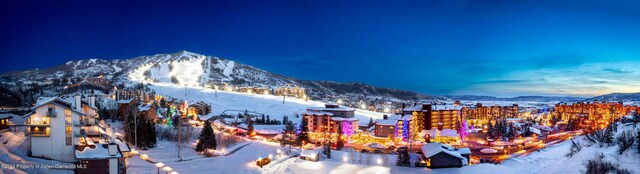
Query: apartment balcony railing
x: 38, y: 131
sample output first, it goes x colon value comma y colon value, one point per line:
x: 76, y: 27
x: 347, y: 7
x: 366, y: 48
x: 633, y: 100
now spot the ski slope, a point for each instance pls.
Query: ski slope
x: 258, y: 103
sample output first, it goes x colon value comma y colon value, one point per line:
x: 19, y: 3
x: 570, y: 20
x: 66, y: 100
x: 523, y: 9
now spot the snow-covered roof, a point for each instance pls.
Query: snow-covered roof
x: 386, y: 122
x: 123, y: 146
x: 394, y: 117
x: 343, y: 119
x: 7, y: 115
x: 413, y: 108
x: 317, y: 113
x: 464, y: 151
x: 101, y: 151
x: 434, y: 107
x: 431, y: 149
x: 54, y: 100
x: 345, y: 109
x: 309, y: 153
x: 445, y: 107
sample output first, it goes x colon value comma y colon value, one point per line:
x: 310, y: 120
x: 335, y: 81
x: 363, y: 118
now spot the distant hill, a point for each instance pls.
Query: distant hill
x: 616, y: 97
x: 519, y: 98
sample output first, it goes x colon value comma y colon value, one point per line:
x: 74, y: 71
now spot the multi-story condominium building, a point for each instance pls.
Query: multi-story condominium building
x: 393, y: 126
x: 432, y: 117
x: 326, y: 119
x: 291, y: 91
x: 592, y: 114
x: 68, y: 129
x: 480, y: 115
x: 435, y: 116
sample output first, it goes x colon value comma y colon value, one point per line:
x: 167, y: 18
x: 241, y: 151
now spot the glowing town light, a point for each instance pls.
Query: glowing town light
x: 144, y: 156
x: 339, y: 101
x: 345, y: 159
x: 167, y: 169
x: 379, y: 161
x: 159, y: 165
x: 386, y: 109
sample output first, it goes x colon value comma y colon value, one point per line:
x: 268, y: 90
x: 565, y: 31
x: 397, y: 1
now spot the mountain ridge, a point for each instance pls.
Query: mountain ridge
x: 182, y: 67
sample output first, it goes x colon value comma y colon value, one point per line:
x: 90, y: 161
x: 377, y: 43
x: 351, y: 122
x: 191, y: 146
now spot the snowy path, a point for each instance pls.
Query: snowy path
x: 241, y: 161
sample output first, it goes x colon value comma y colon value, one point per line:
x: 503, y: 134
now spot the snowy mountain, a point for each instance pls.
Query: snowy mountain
x: 617, y: 97
x: 187, y: 68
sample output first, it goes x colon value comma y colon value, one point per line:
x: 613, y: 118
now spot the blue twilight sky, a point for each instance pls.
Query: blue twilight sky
x: 501, y: 48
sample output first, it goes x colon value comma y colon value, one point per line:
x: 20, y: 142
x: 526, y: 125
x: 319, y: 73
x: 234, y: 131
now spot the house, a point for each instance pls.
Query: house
x: 201, y: 108
x: 124, y: 106
x: 68, y: 129
x: 148, y: 111
x: 393, y: 126
x: 438, y: 155
x: 441, y: 136
x: 309, y: 154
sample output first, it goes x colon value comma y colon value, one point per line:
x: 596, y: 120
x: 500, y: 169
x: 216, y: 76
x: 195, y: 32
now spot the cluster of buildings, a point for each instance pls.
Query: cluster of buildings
x: 289, y: 91
x: 592, y: 114
x: 479, y: 115
x: 68, y: 129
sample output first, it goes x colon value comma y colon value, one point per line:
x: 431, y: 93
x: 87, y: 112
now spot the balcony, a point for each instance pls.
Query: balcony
x: 38, y: 131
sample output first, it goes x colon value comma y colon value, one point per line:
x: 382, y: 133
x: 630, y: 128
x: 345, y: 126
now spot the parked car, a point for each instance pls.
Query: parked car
x: 377, y: 151
x: 364, y: 151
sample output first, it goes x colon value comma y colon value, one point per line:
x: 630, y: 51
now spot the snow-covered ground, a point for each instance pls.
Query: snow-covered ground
x: 232, y: 102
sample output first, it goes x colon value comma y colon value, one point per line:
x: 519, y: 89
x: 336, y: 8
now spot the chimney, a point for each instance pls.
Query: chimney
x: 385, y: 116
x: 92, y: 101
x: 78, y: 103
x: 113, y: 149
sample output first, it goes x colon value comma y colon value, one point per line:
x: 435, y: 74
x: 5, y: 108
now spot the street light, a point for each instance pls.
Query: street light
x: 167, y: 169
x: 159, y: 165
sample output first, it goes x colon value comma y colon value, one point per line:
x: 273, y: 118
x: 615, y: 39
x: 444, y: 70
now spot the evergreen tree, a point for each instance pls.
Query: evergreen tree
x: 286, y: 134
x: 403, y: 157
x: 268, y: 120
x: 142, y: 133
x: 263, y: 120
x: 285, y: 119
x: 303, y: 136
x: 207, y: 139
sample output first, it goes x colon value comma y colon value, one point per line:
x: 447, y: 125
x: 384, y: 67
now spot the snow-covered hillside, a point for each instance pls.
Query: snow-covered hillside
x: 232, y: 102
x: 187, y: 68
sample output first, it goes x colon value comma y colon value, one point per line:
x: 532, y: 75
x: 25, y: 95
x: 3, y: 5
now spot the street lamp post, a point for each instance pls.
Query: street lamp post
x: 159, y: 165
x: 167, y: 169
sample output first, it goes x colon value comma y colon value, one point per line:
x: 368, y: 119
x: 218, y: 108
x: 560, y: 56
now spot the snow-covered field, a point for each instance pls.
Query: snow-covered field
x: 258, y: 103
